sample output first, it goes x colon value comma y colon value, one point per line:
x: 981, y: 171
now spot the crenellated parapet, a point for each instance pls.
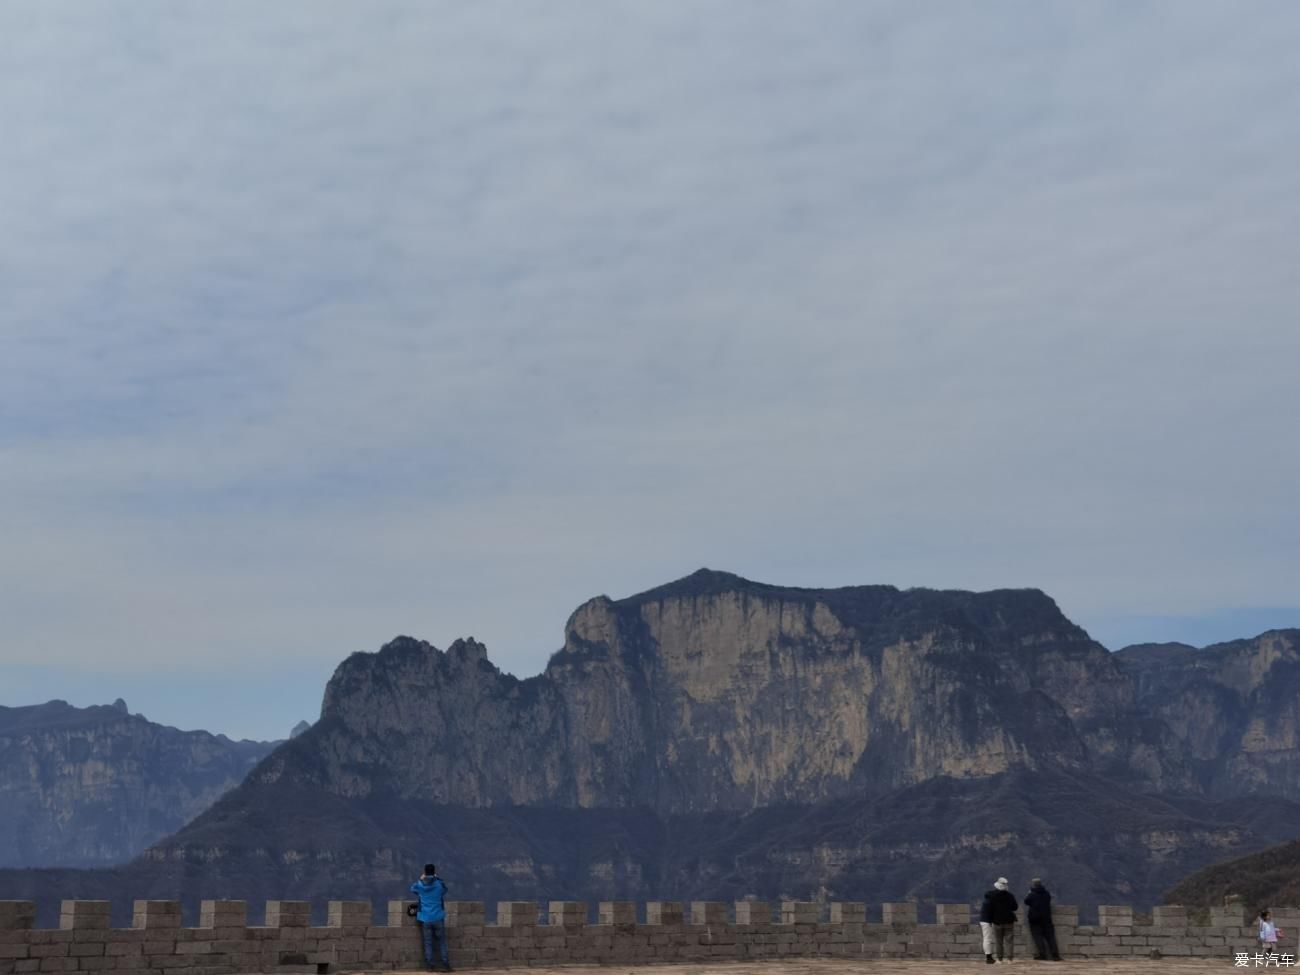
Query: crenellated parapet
x: 559, y: 932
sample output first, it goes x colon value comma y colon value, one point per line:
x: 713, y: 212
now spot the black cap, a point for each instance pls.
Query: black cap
x: 430, y: 869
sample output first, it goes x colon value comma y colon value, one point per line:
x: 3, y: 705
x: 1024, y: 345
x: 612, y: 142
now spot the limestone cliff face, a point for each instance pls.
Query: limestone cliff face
x: 715, y: 693
x: 716, y: 737
x: 88, y: 786
x: 763, y: 694
x: 1234, y: 708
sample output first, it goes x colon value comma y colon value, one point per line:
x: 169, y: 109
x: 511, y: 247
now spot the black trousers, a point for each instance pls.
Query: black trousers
x: 1044, y: 935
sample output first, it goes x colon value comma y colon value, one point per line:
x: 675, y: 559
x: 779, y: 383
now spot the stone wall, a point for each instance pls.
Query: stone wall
x: 524, y: 933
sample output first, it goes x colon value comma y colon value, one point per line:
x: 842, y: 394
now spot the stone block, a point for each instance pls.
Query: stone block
x: 1169, y: 916
x: 800, y: 912
x: 953, y: 915
x: 350, y: 914
x: 17, y: 915
x: 223, y: 914
x: 516, y: 914
x: 617, y: 912
x: 664, y: 913
x: 753, y: 912
x: 708, y: 912
x: 83, y: 915
x: 288, y: 914
x: 1230, y: 915
x: 567, y: 914
x: 1115, y: 916
x: 465, y: 914
x: 1065, y: 915
x: 903, y: 912
x: 156, y: 914
x: 848, y: 912
x: 397, y: 916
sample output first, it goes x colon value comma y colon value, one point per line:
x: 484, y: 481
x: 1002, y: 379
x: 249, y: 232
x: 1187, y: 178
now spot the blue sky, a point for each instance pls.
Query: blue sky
x: 321, y: 323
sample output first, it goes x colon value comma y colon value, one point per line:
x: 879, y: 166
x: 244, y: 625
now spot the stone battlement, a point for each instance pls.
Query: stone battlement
x: 560, y: 932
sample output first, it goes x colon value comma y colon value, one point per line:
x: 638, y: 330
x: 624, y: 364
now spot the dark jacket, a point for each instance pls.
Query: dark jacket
x: 431, y: 891
x: 999, y: 907
x: 1038, y: 906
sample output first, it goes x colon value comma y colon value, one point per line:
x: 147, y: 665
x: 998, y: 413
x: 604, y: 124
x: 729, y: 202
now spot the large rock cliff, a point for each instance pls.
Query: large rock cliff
x: 1233, y: 707
x: 91, y: 786
x: 716, y: 737
x: 715, y: 693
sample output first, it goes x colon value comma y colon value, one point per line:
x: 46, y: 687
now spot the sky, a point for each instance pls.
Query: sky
x: 325, y: 322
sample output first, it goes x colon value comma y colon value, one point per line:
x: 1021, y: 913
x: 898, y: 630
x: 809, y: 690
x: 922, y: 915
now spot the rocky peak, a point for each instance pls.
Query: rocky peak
x: 468, y: 650
x: 716, y: 692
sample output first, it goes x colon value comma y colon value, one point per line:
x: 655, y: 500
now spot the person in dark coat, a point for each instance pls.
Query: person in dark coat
x: 998, y: 922
x: 1038, y: 913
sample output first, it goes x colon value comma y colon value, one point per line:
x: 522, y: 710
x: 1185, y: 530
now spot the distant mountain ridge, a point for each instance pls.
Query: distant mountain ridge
x: 718, y: 737
x: 1233, y: 707
x: 1267, y: 878
x: 96, y: 786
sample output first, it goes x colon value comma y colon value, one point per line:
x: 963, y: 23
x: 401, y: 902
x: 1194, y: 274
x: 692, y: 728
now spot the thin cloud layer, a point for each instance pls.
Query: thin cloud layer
x: 323, y: 322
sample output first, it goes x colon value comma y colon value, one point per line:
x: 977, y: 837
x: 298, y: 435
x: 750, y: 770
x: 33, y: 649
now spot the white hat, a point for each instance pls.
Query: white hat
x: 1000, y: 883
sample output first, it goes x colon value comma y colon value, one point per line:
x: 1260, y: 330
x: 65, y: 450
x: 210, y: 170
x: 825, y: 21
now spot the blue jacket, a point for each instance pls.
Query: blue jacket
x: 431, y: 892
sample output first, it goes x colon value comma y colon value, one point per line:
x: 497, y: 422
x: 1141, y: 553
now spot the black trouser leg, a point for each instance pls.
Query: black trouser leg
x: 1049, y: 931
x: 1039, y: 933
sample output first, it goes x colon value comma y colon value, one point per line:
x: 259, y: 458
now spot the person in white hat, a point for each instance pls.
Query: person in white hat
x: 998, y: 922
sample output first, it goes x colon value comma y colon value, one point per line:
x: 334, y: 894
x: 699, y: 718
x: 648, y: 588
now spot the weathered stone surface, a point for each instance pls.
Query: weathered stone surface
x: 15, y: 915
x: 350, y: 914
x: 567, y: 914
x: 953, y: 914
x: 87, y: 915
x: 848, y: 912
x: 800, y: 912
x: 223, y: 914
x: 617, y: 912
x: 157, y: 914
x: 664, y: 913
x: 517, y: 914
x: 480, y: 948
x: 899, y: 913
x: 288, y: 914
x: 709, y: 912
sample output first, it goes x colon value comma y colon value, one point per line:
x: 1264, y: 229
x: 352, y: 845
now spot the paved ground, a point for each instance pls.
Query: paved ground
x: 1127, y: 966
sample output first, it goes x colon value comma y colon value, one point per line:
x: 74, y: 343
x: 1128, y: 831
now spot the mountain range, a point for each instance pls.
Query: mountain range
x: 96, y: 786
x: 717, y: 738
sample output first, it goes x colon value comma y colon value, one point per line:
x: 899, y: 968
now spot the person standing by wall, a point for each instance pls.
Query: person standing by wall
x: 998, y: 922
x: 1268, y: 932
x: 432, y: 916
x: 1038, y: 913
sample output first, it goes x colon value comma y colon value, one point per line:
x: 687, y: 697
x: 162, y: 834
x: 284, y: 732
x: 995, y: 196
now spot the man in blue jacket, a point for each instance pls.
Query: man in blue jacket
x: 432, y: 916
